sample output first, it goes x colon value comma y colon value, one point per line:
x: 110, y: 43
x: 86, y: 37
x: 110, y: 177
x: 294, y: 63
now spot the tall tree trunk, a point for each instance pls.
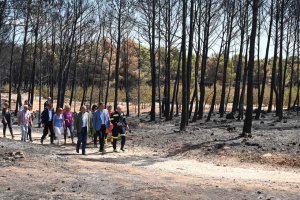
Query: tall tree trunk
x: 36, y: 33
x: 168, y: 63
x: 248, y: 119
x: 204, y: 58
x: 118, y: 56
x: 190, y: 53
x: 213, y: 101
x: 242, y: 96
x: 11, y: 65
x: 261, y: 95
x: 152, y: 61
x: 226, y: 59
x: 292, y: 69
x: 184, y: 112
x: 176, y: 86
x: 279, y: 103
x: 19, y: 98
x: 273, y: 80
x: 108, y: 73
x: 95, y: 64
x: 236, y: 97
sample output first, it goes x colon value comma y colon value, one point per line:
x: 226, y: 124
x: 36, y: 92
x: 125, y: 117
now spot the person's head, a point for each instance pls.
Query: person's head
x: 119, y: 108
x: 6, y: 105
x: 26, y: 102
x: 49, y: 105
x: 109, y: 107
x: 29, y: 107
x: 67, y: 108
x: 83, y: 109
x: 25, y: 108
x: 94, y: 108
x: 49, y: 99
x: 59, y: 111
x: 101, y: 106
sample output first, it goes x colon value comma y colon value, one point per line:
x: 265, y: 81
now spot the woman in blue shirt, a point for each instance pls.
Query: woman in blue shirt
x: 58, y: 124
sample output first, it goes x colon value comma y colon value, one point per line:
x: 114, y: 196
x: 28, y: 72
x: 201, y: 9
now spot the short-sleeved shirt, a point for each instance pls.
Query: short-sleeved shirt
x: 58, y: 121
x: 68, y: 116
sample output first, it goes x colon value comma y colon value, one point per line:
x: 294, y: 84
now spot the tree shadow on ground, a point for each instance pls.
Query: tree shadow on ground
x: 189, y: 147
x: 134, y: 160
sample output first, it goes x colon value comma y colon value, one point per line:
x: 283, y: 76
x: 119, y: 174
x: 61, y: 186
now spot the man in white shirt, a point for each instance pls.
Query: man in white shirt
x: 81, y: 125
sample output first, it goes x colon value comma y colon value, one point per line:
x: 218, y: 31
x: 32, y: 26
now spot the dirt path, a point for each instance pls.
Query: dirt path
x: 142, y: 172
x: 51, y: 172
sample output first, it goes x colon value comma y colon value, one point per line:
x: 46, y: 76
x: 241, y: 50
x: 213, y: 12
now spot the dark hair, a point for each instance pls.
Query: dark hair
x: 94, y: 107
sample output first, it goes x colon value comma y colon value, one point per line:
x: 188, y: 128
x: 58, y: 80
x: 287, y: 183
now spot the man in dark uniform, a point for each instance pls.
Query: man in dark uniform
x: 47, y: 118
x: 118, y: 119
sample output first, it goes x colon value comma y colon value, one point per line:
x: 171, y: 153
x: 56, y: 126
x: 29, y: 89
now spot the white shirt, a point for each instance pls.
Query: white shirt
x: 50, y: 115
x: 84, y: 119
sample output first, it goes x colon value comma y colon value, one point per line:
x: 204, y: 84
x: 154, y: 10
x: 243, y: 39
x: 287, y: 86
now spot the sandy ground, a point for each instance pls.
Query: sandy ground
x: 208, y: 161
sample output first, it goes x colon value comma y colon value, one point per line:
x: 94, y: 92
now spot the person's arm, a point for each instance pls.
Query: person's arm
x: 53, y: 120
x: 94, y: 120
x: 107, y: 120
x: 75, y: 123
x: 63, y: 121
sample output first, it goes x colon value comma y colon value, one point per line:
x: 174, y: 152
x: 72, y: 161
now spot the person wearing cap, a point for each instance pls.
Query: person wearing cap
x: 47, y: 118
x: 24, y: 121
x: 6, y: 120
x: 82, y: 125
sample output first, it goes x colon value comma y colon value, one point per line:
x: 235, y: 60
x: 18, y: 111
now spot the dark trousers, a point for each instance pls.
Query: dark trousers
x: 48, y: 126
x: 95, y: 137
x: 115, y: 134
x: 101, y: 134
x: 29, y: 133
x: 10, y: 129
x: 82, y: 137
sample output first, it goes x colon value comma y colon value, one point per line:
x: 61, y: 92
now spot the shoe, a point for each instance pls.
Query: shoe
x: 77, y: 150
x: 116, y: 151
x: 83, y: 153
x: 122, y: 150
x: 42, y: 142
x: 95, y: 146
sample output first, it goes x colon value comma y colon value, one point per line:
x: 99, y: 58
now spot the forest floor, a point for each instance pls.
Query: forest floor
x: 207, y: 161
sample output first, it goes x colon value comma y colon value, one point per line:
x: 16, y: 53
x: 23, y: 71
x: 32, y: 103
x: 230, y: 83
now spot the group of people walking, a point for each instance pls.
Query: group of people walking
x: 99, y: 123
x: 24, y: 118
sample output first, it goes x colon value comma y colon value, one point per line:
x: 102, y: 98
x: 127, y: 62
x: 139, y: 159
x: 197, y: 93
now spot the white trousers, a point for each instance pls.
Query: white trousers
x: 58, y: 131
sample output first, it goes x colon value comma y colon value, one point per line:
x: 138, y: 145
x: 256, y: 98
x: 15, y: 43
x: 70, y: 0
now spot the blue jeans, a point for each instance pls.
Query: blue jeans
x: 82, y: 137
x: 24, y: 132
x: 71, y: 129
